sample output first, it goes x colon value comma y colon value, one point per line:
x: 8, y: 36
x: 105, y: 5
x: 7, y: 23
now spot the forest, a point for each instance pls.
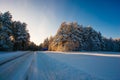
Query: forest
x: 15, y: 36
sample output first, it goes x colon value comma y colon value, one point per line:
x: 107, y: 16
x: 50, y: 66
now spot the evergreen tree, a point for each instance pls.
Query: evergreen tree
x: 33, y: 47
x: 45, y: 44
x: 71, y: 36
x: 6, y: 41
x: 21, y: 35
x: 13, y: 34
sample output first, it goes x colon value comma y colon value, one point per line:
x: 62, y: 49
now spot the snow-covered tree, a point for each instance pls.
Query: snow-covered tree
x: 33, y: 47
x: 66, y: 38
x: 6, y: 41
x: 71, y: 36
x: 21, y: 35
x: 45, y: 44
x: 13, y: 34
x: 93, y: 39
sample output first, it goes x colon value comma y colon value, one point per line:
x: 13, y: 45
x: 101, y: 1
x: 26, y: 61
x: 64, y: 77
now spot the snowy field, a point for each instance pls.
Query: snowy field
x: 45, y: 65
x: 101, y: 65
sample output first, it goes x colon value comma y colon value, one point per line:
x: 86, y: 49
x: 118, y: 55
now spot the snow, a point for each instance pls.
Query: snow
x: 4, y: 56
x: 16, y: 69
x: 46, y: 65
x: 102, y: 65
x: 51, y: 69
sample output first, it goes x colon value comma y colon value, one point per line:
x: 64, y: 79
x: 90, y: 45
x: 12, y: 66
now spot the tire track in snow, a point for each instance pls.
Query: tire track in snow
x: 15, y: 69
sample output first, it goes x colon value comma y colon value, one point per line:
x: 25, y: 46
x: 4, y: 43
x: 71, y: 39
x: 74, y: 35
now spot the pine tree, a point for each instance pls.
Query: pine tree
x: 6, y: 43
x: 72, y: 37
x: 21, y: 35
x: 45, y: 44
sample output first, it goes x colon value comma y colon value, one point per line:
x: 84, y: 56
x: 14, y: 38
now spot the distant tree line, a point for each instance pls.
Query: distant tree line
x: 14, y: 34
x: 74, y: 37
x: 46, y: 43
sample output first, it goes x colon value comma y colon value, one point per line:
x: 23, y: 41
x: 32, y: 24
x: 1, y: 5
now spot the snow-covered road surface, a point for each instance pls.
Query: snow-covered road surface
x: 42, y: 65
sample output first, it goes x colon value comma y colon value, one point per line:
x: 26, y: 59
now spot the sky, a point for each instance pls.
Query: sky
x: 43, y: 17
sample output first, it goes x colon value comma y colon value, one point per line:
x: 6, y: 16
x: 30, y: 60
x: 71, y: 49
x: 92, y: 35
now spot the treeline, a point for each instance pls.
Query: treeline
x: 69, y: 37
x: 74, y: 37
x: 14, y: 34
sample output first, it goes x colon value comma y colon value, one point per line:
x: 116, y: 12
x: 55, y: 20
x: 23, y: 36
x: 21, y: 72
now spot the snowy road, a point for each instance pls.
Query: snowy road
x: 51, y: 66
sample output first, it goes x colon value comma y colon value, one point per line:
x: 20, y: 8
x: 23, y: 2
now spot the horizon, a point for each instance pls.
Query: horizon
x: 45, y: 23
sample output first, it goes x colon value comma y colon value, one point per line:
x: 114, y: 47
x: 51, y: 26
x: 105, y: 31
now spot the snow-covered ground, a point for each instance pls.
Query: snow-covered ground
x: 101, y: 65
x: 14, y: 66
x: 47, y: 65
x: 49, y: 68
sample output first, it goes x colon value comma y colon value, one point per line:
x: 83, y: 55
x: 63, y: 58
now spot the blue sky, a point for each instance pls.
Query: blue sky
x: 45, y: 16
